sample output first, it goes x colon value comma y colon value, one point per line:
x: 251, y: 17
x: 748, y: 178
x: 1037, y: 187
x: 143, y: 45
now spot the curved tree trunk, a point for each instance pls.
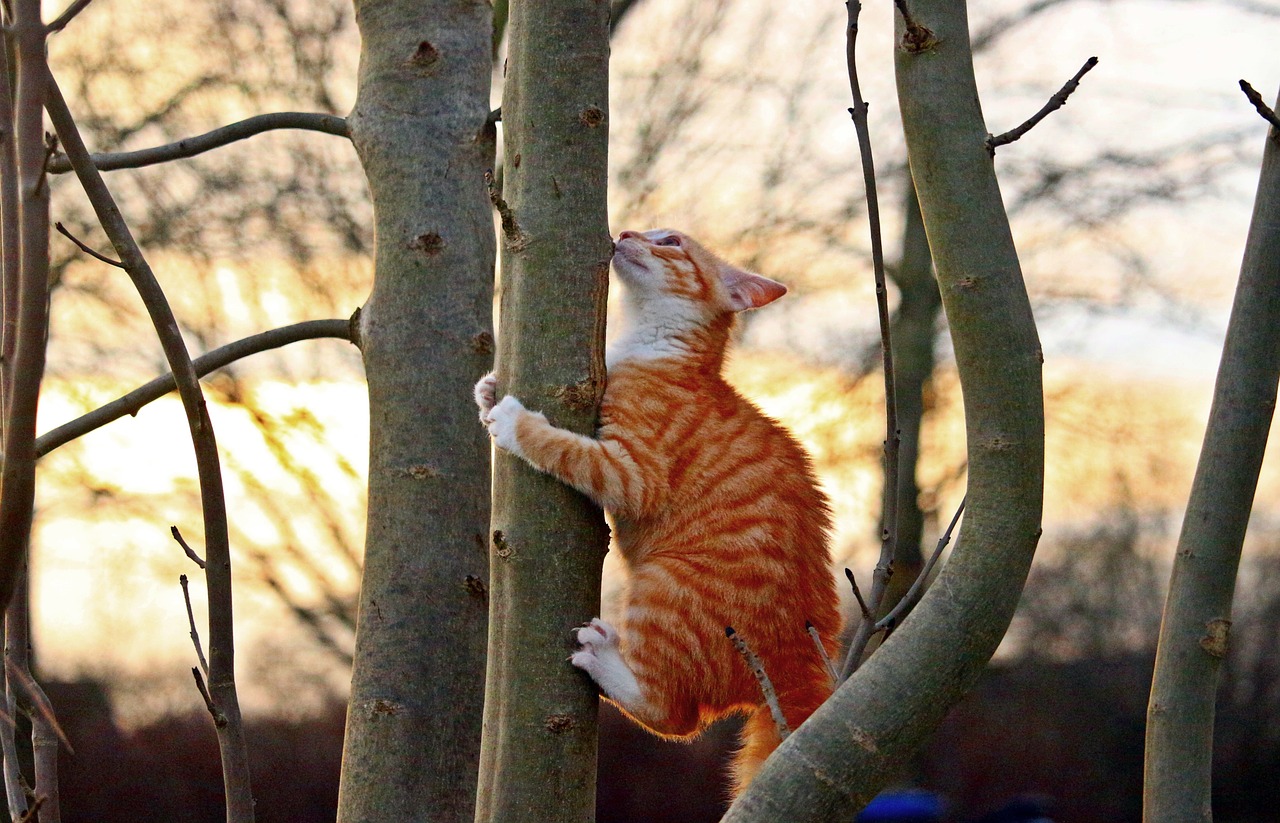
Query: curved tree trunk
x: 419, y: 125
x: 548, y: 542
x: 1197, y: 614
x: 842, y: 756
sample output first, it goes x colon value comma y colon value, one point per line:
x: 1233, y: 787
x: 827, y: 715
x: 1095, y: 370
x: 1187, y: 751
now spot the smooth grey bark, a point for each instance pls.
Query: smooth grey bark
x: 843, y: 755
x: 1197, y: 615
x: 419, y: 125
x: 548, y: 541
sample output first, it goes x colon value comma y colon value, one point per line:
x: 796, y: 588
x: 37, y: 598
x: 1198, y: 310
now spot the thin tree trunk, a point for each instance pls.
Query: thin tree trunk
x: 1197, y: 615
x: 548, y: 542
x: 419, y: 125
x: 839, y: 759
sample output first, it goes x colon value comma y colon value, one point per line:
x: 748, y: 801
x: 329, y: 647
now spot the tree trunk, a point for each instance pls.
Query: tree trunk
x: 1197, y: 614
x: 419, y: 125
x: 839, y: 759
x: 548, y: 542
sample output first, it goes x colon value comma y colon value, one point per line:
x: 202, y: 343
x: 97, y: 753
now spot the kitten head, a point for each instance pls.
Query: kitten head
x: 670, y: 268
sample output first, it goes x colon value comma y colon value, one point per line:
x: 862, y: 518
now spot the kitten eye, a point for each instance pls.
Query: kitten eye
x: 669, y: 240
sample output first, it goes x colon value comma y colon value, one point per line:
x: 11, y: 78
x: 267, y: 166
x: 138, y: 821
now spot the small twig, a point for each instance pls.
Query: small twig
x: 857, y: 593
x: 39, y: 701
x: 191, y: 146
x: 195, y: 558
x: 60, y: 22
x: 762, y: 677
x: 86, y: 248
x: 50, y: 149
x: 908, y: 601
x: 822, y: 652
x: 889, y: 496
x: 30, y: 815
x: 219, y: 719
x: 517, y: 240
x: 191, y: 621
x: 1056, y: 102
x: 1266, y: 111
x: 132, y: 402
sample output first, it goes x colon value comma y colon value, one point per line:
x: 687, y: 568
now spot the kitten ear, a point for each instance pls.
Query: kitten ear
x: 748, y: 290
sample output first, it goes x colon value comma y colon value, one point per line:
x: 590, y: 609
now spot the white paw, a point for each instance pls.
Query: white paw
x: 598, y: 641
x: 596, y: 633
x: 502, y: 422
x: 600, y: 657
x: 486, y: 394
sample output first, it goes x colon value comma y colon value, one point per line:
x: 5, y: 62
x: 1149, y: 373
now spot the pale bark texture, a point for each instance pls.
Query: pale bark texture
x: 1197, y: 614
x: 419, y: 125
x: 842, y: 756
x: 548, y: 542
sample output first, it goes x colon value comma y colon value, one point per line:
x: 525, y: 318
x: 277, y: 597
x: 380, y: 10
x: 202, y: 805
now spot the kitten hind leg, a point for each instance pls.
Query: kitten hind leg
x: 601, y: 657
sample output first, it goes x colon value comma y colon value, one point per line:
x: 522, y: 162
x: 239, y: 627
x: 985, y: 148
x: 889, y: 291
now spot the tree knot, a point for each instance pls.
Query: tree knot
x: 1216, y: 633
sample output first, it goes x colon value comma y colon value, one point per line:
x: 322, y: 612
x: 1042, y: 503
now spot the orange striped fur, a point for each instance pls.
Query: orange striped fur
x: 715, y: 508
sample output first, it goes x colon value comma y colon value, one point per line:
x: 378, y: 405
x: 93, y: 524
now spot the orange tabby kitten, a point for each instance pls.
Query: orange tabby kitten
x: 715, y: 508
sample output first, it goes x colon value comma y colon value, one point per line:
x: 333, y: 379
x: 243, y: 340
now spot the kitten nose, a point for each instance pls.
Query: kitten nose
x: 625, y: 234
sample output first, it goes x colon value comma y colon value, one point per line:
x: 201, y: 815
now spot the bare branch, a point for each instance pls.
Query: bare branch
x: 23, y: 692
x: 30, y: 814
x: 822, y: 652
x: 31, y: 320
x: 50, y: 149
x: 889, y: 530
x: 190, y: 552
x: 191, y: 146
x: 89, y: 250
x: 235, y: 760
x: 1056, y: 102
x: 15, y: 796
x: 191, y: 620
x: 1266, y: 111
x: 890, y: 620
x: 857, y: 593
x: 60, y: 22
x: 9, y: 243
x: 38, y: 700
x: 219, y: 719
x: 762, y: 677
x: 214, y: 360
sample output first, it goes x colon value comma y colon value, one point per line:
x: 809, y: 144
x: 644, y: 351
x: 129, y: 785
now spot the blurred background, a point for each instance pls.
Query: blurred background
x: 729, y: 121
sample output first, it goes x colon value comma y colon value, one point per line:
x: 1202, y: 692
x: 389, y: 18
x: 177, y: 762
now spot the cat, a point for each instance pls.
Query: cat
x: 715, y: 508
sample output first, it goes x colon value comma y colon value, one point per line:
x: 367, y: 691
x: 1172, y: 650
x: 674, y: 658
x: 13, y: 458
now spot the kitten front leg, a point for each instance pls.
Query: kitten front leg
x: 601, y: 469
x: 503, y: 421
